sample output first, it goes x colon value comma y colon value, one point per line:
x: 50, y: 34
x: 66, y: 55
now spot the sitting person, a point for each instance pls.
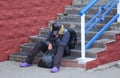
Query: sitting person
x: 58, y: 37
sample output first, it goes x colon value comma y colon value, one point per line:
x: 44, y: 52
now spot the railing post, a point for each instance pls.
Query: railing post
x: 83, y: 59
x: 118, y: 11
x: 83, y: 36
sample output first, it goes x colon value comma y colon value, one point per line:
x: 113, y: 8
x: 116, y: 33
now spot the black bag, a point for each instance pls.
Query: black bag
x: 47, y: 59
x: 73, y: 39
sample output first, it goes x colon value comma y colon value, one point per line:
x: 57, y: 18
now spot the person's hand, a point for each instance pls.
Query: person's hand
x: 49, y: 46
x: 57, y: 35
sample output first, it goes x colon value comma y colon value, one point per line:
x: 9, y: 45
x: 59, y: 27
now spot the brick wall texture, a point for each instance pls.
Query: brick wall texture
x: 20, y: 19
x: 112, y: 53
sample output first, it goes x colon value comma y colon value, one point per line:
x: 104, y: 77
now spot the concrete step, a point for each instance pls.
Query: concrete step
x: 74, y: 9
x: 74, y: 52
x: 72, y: 17
x: 77, y: 18
x: 29, y: 46
x: 68, y: 61
x: 101, y: 43
x: 76, y: 25
x: 92, y: 52
x: 85, y: 2
x: 107, y: 37
x: 37, y: 38
x: 26, y: 47
x: 110, y: 34
x: 115, y: 27
x: 45, y: 31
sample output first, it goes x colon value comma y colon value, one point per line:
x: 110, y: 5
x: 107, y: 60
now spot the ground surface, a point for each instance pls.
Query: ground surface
x: 10, y: 69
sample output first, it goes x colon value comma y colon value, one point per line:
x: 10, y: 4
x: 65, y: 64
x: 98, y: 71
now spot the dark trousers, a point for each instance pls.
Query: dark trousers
x: 41, y: 46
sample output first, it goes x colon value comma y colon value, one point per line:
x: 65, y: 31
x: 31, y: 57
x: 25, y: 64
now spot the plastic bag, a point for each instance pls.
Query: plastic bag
x: 47, y: 59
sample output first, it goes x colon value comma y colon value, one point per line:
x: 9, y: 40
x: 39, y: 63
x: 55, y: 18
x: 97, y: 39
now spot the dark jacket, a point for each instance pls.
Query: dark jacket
x: 59, y: 40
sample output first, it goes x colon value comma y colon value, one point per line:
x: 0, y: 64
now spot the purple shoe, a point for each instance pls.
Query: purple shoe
x: 54, y: 69
x: 25, y: 64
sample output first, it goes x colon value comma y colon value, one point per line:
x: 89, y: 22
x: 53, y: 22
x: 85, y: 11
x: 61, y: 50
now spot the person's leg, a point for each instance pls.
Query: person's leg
x: 40, y: 46
x: 57, y: 59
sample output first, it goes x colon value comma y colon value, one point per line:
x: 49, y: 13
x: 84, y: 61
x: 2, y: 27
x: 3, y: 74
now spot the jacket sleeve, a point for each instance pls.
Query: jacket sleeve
x: 47, y: 40
x: 64, y: 39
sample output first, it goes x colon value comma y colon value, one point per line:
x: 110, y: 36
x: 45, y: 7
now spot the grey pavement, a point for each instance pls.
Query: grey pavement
x: 11, y: 69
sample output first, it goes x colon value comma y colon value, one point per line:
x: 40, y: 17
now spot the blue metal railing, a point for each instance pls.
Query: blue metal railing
x: 113, y: 5
x: 82, y: 14
x: 102, y: 19
x: 101, y: 31
x: 92, y: 20
x: 86, y: 8
x: 85, y: 28
x: 108, y: 4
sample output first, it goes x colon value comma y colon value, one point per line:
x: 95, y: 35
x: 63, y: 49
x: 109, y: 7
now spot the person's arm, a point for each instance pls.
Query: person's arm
x: 47, y: 40
x: 64, y: 39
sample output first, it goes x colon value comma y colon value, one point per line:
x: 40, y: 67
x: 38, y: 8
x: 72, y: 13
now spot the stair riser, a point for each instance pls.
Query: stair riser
x: 115, y: 27
x: 71, y: 18
x: 88, y: 36
x: 102, y: 44
x: 80, y: 2
x: 37, y: 38
x: 44, y: 32
x: 34, y: 39
x: 75, y: 25
x: 108, y: 36
x: 64, y: 63
x: 74, y: 18
x: 27, y: 48
x: 76, y: 10
x: 98, y: 45
x: 19, y: 58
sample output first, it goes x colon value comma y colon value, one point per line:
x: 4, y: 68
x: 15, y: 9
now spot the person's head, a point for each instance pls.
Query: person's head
x: 56, y: 27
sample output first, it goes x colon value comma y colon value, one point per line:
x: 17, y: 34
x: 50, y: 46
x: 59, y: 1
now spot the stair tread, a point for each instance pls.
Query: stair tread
x: 112, y: 32
x: 104, y: 41
x: 95, y: 50
x: 24, y: 54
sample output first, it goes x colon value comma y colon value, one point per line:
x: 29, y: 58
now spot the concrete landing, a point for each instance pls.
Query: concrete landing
x: 10, y: 69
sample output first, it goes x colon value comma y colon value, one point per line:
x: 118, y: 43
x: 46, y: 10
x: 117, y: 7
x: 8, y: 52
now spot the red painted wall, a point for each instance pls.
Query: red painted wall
x: 20, y: 19
x: 112, y: 53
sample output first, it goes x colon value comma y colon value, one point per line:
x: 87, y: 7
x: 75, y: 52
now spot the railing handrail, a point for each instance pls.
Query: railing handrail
x: 115, y: 4
x: 107, y: 4
x: 86, y: 8
x: 91, y: 20
x: 85, y: 29
x: 82, y: 14
x: 107, y: 25
x: 102, y: 30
